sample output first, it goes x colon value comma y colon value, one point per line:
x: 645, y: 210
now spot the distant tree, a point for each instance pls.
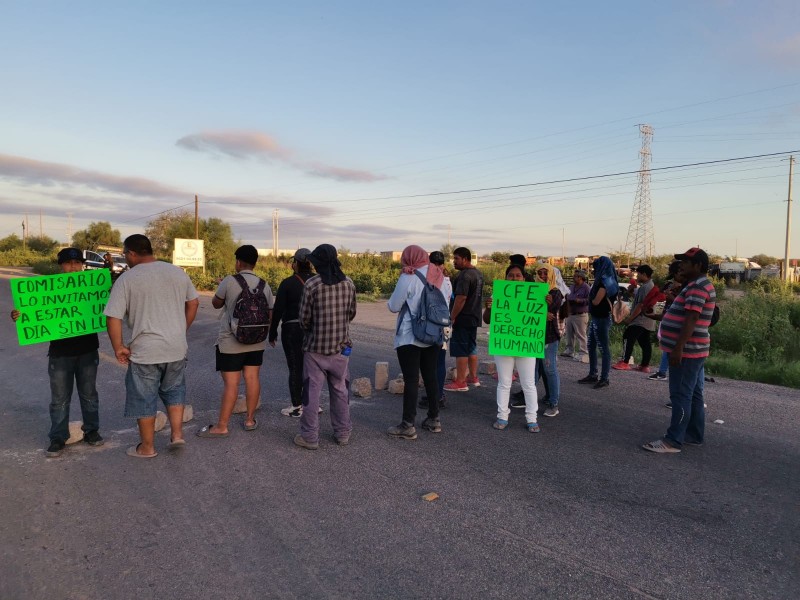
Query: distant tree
x: 216, y: 234
x: 501, y: 258
x: 765, y: 259
x: 343, y: 251
x: 10, y: 242
x: 447, y: 250
x: 42, y: 244
x: 97, y: 234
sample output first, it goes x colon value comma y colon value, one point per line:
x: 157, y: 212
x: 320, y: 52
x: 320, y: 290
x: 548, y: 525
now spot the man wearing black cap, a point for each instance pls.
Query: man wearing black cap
x: 72, y: 362
x: 234, y: 358
x: 684, y: 335
x: 287, y: 314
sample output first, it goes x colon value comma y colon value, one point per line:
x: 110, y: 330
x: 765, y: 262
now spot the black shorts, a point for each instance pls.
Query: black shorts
x: 463, y: 342
x: 236, y: 362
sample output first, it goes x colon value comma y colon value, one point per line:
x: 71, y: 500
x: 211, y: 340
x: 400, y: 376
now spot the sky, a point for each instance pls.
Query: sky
x: 374, y: 125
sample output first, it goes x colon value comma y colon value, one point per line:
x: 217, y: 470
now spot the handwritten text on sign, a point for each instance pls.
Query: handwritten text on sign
x: 54, y: 307
x: 519, y: 318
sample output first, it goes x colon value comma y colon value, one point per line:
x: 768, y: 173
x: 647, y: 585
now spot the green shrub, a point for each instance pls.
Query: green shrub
x: 46, y: 267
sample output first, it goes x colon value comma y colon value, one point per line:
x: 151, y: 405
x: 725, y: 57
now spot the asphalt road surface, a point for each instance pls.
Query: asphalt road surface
x: 576, y: 511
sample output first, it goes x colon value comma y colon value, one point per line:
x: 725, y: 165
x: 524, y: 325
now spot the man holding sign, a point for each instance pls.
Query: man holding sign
x: 72, y: 360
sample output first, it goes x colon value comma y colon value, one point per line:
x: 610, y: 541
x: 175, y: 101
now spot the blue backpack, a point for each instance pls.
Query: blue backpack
x: 434, y: 315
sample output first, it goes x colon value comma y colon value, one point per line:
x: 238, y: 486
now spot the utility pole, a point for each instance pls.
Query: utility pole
x: 24, y: 236
x: 275, y: 232
x: 27, y: 227
x: 788, y: 222
x: 640, y: 230
x: 196, y: 218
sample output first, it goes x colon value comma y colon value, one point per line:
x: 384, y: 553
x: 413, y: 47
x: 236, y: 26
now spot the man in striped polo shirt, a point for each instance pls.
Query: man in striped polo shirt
x: 684, y: 334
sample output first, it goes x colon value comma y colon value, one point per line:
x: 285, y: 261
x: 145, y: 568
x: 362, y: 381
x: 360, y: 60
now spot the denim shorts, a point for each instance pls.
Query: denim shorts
x: 145, y: 384
x: 464, y: 341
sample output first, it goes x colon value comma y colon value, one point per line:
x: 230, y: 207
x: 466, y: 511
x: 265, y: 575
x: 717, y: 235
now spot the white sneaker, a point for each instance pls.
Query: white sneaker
x: 292, y: 411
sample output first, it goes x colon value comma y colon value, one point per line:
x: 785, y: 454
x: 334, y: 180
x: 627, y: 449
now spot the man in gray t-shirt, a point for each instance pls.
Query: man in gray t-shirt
x: 232, y: 357
x: 158, y: 302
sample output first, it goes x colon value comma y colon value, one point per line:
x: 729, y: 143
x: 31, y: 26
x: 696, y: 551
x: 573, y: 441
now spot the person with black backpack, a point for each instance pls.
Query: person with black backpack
x: 247, y: 301
x: 423, y: 315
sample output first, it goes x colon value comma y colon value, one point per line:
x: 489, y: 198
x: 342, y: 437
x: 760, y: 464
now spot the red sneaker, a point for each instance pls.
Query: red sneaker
x: 621, y: 366
x: 643, y: 369
x: 474, y: 381
x: 456, y: 386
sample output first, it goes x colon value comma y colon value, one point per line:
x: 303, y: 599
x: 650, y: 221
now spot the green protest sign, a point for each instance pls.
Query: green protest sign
x: 54, y: 307
x: 519, y: 318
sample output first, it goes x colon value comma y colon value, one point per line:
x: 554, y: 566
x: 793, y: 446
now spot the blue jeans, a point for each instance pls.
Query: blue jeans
x: 598, y: 334
x: 550, y: 363
x: 66, y: 371
x: 663, y: 367
x: 686, y: 394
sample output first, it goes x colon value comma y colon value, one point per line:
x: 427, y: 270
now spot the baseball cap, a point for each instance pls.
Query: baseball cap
x: 301, y: 255
x: 695, y: 255
x: 518, y: 259
x: 247, y: 254
x: 436, y: 257
x: 70, y: 254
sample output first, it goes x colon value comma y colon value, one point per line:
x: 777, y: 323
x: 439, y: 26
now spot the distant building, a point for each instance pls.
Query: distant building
x: 281, y: 252
x: 393, y: 255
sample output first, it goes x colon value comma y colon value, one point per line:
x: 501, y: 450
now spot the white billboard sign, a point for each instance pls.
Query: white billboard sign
x: 188, y: 253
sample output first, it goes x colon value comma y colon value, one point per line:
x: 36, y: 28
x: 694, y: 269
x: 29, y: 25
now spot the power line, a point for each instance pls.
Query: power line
x: 533, y: 184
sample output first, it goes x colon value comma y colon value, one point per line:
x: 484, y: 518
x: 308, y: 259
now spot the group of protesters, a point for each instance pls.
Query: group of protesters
x: 313, y: 309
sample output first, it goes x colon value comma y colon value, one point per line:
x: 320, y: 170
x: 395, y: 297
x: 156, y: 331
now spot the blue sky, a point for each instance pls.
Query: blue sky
x: 348, y: 116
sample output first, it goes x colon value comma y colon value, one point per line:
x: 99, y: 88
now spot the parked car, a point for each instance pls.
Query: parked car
x: 120, y: 264
x: 95, y: 260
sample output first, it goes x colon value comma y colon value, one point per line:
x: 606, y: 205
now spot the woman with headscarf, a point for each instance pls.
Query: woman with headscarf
x: 415, y: 358
x: 546, y: 273
x: 601, y: 297
x: 525, y: 365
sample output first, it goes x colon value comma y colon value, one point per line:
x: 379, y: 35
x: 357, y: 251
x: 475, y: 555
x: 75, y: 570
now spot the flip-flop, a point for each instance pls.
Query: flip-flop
x: 133, y: 451
x: 660, y: 447
x: 175, y: 444
x: 252, y: 427
x: 206, y: 432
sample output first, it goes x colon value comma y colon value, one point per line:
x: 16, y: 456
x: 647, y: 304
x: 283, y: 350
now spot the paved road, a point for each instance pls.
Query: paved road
x: 577, y: 511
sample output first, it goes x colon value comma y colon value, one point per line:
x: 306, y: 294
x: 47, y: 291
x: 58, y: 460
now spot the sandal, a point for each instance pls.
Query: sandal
x: 134, y: 451
x: 206, y: 432
x: 500, y: 424
x: 175, y: 444
x: 533, y: 427
x: 252, y: 427
x: 661, y: 447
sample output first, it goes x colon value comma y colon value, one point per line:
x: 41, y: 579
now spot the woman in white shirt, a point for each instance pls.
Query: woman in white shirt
x: 415, y: 358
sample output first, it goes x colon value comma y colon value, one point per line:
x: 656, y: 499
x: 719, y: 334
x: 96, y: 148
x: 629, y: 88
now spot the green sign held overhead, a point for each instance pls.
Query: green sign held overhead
x: 54, y: 307
x: 519, y: 318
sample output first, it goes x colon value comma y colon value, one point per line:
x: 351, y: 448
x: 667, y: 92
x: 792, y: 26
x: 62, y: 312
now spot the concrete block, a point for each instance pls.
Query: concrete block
x: 241, y: 405
x: 75, y: 432
x: 487, y: 367
x: 396, y: 386
x: 361, y: 387
x: 161, y: 420
x: 451, y: 374
x: 381, y: 375
x: 188, y: 413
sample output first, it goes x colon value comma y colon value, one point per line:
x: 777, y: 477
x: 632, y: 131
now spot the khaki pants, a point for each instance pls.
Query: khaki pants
x: 576, y: 330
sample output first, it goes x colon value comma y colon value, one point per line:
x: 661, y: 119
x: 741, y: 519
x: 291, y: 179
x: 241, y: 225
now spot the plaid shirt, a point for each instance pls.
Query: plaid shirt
x: 325, y: 315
